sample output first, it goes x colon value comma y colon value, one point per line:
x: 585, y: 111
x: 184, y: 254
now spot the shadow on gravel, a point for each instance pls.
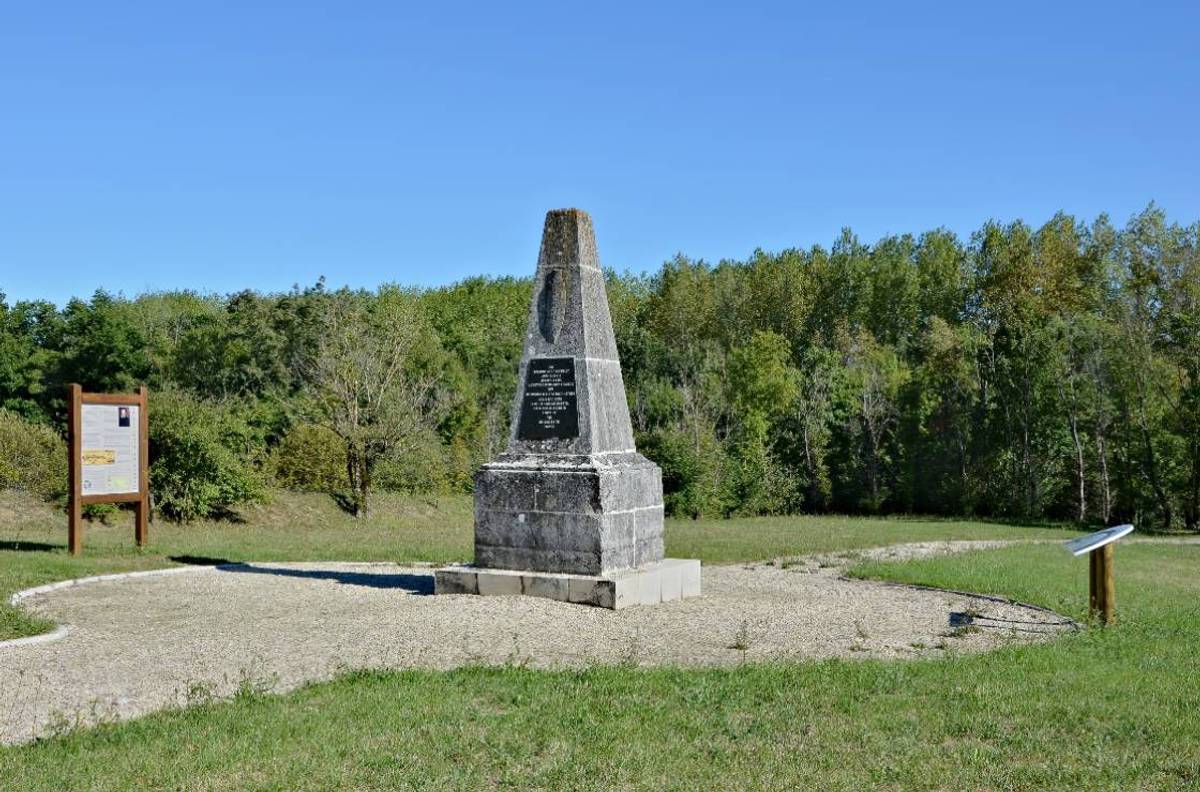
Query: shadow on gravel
x: 963, y: 620
x: 413, y: 584
x: 192, y: 560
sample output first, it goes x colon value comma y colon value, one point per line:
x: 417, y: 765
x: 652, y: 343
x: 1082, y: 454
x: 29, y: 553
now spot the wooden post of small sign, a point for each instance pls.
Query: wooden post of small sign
x: 1108, y: 602
x: 141, y: 527
x: 74, y: 471
x: 1102, y: 591
x: 103, y: 472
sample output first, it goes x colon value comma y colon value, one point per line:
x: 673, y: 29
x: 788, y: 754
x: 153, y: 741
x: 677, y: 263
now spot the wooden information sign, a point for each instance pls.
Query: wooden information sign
x: 1102, y: 590
x: 107, y: 457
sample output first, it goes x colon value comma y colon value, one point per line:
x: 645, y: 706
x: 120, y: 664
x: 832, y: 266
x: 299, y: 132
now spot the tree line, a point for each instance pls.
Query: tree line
x: 1033, y: 373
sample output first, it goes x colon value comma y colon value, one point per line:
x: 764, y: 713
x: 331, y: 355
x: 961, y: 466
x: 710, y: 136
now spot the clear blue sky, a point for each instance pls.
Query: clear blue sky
x: 217, y: 146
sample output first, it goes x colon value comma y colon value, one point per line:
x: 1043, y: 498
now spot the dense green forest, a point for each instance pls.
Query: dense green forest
x: 1048, y: 372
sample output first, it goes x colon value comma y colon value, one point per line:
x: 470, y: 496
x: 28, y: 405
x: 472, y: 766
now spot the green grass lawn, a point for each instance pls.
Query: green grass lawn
x: 1111, y: 709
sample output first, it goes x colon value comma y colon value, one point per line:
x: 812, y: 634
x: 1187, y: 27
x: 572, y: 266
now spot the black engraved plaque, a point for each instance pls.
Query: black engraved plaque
x: 548, y: 408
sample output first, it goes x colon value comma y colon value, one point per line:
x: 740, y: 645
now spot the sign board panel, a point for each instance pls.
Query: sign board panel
x: 110, y: 449
x: 548, y: 406
x: 107, y: 454
x: 1086, y: 544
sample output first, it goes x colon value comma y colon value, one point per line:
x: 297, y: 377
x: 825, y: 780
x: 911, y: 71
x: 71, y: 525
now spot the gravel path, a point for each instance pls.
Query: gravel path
x: 144, y: 643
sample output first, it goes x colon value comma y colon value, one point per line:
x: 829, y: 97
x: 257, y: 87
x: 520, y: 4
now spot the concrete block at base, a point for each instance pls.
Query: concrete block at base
x: 555, y: 588
x: 456, y: 580
x: 689, y: 579
x: 594, y: 591
x: 649, y: 586
x: 663, y: 581
x: 672, y: 583
x: 498, y: 585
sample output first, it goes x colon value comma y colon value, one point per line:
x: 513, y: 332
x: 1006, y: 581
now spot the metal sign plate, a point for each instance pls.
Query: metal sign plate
x: 1086, y: 544
x: 548, y: 408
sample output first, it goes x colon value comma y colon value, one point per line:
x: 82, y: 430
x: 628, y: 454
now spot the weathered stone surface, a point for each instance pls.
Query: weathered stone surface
x: 553, y: 560
x: 570, y: 495
x: 546, y: 586
x: 456, y: 580
x: 569, y: 318
x: 608, y: 511
x: 661, y: 581
x: 497, y: 585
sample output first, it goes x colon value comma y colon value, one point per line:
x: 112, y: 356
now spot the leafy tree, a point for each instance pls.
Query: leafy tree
x: 875, y: 376
x: 820, y: 396
x: 203, y: 456
x: 1047, y: 372
x: 367, y: 382
x: 100, y: 347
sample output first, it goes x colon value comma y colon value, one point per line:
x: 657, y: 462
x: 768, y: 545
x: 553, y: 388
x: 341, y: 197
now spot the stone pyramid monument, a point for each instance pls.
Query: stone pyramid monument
x: 571, y: 510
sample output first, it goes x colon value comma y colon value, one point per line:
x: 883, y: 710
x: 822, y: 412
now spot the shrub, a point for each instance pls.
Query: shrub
x: 201, y: 456
x: 33, y: 457
x: 310, y: 458
x: 420, y: 469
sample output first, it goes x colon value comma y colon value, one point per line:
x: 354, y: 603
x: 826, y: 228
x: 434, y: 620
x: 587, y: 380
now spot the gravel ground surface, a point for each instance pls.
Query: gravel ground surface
x: 140, y: 644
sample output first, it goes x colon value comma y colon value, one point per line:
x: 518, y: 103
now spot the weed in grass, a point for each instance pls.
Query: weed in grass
x: 198, y: 693
x: 632, y: 656
x: 741, y: 639
x: 794, y: 564
x: 515, y: 658
x: 254, y: 686
x: 59, y: 725
x: 475, y: 657
x: 97, y: 713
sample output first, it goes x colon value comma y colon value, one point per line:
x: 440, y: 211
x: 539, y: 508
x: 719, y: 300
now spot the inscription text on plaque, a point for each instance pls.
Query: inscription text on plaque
x: 549, y: 409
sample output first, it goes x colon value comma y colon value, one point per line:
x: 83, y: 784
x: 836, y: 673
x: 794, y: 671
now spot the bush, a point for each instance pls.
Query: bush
x: 201, y: 456
x: 421, y: 469
x: 310, y: 458
x: 33, y: 458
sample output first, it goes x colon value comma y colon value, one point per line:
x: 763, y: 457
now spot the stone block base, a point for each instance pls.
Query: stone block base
x: 591, y: 516
x: 662, y: 581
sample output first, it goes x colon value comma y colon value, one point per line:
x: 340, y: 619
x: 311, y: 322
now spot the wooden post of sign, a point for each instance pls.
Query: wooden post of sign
x: 141, y: 530
x: 1102, y: 590
x: 1100, y: 548
x: 74, y: 469
x: 1108, y: 602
